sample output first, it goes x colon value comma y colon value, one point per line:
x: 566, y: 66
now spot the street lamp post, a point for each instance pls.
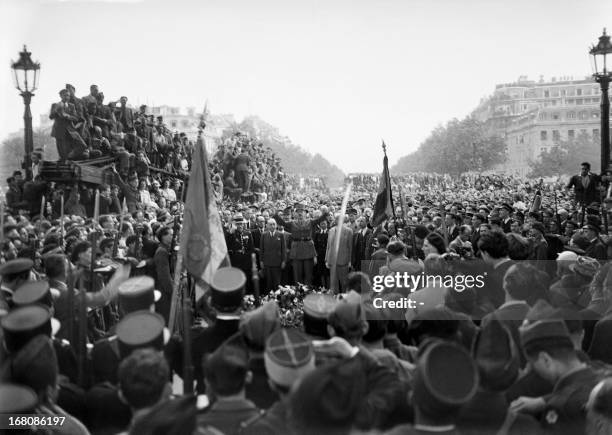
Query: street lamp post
x: 602, y: 75
x: 26, y: 81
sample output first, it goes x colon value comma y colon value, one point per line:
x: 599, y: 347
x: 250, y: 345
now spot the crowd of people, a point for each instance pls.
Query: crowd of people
x: 242, y: 166
x: 527, y: 352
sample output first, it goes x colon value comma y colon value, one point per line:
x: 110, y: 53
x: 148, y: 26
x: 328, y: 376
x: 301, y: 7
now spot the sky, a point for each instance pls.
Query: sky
x: 336, y: 76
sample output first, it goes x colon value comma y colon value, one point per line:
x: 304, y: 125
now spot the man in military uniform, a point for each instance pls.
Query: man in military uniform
x: 135, y: 294
x: 224, y: 302
x: 240, y: 246
x: 550, y: 351
x: 136, y: 331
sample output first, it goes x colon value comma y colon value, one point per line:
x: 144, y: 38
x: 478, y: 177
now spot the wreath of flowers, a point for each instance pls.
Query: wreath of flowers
x: 290, y: 301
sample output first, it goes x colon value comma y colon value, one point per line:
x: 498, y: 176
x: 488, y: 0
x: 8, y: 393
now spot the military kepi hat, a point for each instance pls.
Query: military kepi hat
x: 227, y: 289
x: 137, y: 294
x: 23, y: 323
x: 18, y: 265
x: 33, y: 292
x: 139, y: 330
x: 289, y: 356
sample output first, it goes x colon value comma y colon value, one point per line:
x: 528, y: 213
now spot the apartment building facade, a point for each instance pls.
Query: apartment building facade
x: 533, y: 116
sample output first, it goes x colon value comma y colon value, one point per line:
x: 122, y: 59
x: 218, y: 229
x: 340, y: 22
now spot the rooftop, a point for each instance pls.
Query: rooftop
x: 523, y: 81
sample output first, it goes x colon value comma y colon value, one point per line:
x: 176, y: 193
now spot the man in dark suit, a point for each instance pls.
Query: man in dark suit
x: 125, y: 116
x: 513, y: 311
x: 63, y: 115
x: 273, y: 254
x: 596, y: 248
x: 241, y: 167
x: 504, y: 215
x: 477, y: 220
x: 162, y: 260
x: 379, y: 257
x: 586, y: 185
x: 494, y: 249
x: 321, y: 273
x: 362, y: 239
x: 452, y: 227
x: 260, y: 228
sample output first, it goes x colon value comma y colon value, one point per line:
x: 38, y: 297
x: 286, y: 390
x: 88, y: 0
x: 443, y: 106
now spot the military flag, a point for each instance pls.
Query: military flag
x: 202, y: 241
x: 383, y: 207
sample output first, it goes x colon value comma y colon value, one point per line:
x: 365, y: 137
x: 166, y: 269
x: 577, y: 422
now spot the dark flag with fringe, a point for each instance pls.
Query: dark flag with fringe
x: 383, y: 207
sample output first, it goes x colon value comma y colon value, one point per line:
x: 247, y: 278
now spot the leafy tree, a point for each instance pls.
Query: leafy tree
x: 12, y: 150
x: 457, y: 147
x: 294, y: 159
x: 565, y: 157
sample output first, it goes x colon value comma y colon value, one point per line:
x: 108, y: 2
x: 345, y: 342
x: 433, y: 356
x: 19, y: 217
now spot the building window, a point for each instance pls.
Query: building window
x: 571, y: 115
x: 583, y: 131
x: 563, y: 93
x: 542, y: 150
x: 578, y: 100
x: 578, y: 91
x: 556, y: 135
x: 173, y: 124
x: 582, y: 115
x: 546, y: 94
x: 542, y: 116
x: 554, y: 102
x: 555, y: 116
x: 595, y: 114
x: 570, y: 134
x: 543, y: 135
x: 185, y: 123
x: 595, y: 132
x: 522, y: 139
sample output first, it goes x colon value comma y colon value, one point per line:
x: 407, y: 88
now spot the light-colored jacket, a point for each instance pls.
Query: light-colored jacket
x: 344, y: 251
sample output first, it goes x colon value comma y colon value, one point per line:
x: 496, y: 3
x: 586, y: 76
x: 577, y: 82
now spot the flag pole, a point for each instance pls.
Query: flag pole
x: 2, y: 220
x: 42, y: 208
x: 175, y: 291
x: 333, y: 272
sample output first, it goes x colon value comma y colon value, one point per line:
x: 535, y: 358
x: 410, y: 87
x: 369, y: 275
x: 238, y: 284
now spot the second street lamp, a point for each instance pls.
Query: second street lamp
x: 26, y: 81
x: 602, y: 75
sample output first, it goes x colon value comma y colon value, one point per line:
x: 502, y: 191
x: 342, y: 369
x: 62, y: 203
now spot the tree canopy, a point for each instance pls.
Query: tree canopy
x: 566, y: 156
x: 294, y: 159
x: 457, y: 147
x: 12, y: 150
